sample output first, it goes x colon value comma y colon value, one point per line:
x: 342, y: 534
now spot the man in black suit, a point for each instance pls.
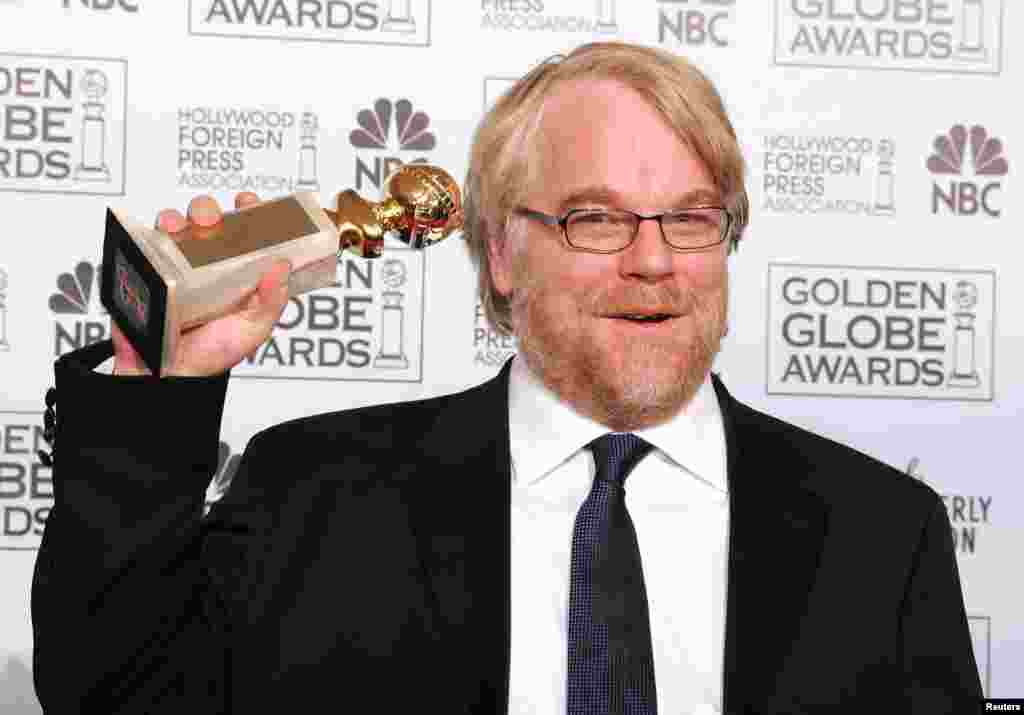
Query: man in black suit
x: 425, y: 556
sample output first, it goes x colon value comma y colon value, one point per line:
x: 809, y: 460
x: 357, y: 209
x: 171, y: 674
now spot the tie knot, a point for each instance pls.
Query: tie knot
x: 616, y: 453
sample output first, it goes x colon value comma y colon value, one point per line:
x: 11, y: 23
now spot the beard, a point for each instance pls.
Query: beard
x: 625, y: 384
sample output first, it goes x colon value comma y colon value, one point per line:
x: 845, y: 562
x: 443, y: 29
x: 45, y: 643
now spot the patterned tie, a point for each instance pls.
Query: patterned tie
x: 611, y: 662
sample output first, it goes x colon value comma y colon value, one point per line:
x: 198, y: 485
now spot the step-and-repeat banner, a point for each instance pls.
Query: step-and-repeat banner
x: 875, y: 298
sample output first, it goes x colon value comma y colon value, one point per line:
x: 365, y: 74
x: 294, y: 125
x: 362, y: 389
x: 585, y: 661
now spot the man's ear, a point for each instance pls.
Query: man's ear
x: 499, y: 252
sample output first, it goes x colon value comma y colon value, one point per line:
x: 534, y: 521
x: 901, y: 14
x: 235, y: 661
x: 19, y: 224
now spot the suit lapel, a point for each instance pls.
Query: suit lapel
x: 775, y: 539
x: 461, y: 514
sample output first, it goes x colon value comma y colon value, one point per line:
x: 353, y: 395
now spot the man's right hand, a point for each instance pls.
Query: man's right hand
x: 220, y: 344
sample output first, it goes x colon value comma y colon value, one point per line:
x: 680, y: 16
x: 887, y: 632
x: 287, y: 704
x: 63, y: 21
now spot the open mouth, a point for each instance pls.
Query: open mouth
x: 643, y: 317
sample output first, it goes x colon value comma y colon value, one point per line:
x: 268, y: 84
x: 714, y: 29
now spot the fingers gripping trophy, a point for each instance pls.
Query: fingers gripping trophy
x: 193, y: 297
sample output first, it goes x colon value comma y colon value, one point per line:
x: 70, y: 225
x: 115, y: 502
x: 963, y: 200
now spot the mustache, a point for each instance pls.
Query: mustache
x: 665, y: 298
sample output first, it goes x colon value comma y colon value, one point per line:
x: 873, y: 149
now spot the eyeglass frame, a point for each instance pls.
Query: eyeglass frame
x: 563, y: 223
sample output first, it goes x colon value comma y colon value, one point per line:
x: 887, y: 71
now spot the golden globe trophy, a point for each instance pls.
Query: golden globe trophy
x: 155, y: 285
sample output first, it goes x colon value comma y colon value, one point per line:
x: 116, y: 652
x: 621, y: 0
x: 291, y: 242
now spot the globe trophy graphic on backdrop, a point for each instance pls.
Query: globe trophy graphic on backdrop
x: 308, y: 179
x: 392, y: 322
x: 155, y: 284
x: 399, y: 17
x: 885, y: 181
x: 606, y: 16
x: 4, y: 345
x: 93, y: 166
x: 965, y: 373
x: 972, y: 32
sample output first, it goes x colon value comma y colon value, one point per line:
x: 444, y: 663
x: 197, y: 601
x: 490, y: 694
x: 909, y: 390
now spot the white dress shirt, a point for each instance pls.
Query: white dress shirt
x: 677, y: 497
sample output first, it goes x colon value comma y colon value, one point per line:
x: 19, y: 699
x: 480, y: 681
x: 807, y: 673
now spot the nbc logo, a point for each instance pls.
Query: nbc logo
x: 125, y: 5
x: 74, y: 290
x: 375, y: 126
x: 708, y: 24
x: 954, y: 152
x: 73, y: 303
x: 411, y: 133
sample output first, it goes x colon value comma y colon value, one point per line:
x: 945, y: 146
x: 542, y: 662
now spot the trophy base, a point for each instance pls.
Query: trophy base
x: 4, y: 346
x: 391, y: 362
x: 405, y: 25
x: 971, y: 54
x: 883, y: 210
x: 155, y: 287
x: 136, y: 295
x: 92, y: 173
x: 310, y: 185
x: 968, y: 381
x: 608, y: 28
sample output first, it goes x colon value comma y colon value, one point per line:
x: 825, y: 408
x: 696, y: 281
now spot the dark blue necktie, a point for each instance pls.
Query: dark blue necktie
x: 611, y: 663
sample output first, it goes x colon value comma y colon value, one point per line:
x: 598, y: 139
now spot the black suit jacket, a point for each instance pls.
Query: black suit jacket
x: 362, y: 558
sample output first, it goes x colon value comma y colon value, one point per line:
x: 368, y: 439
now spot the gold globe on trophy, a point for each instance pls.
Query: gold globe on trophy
x: 155, y: 285
x: 422, y: 205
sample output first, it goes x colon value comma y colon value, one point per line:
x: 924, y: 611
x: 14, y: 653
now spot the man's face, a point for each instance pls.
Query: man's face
x: 600, y: 145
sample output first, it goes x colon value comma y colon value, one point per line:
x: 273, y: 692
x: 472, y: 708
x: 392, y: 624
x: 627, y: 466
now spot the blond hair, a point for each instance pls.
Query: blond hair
x: 501, y: 159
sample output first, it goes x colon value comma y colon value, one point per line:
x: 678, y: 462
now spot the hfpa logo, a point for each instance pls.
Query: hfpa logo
x: 374, y: 132
x: 952, y: 158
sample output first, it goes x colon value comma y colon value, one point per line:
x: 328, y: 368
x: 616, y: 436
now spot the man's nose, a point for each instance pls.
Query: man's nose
x: 648, y: 257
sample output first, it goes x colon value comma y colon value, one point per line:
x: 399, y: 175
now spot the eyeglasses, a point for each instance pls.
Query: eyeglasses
x: 612, y: 230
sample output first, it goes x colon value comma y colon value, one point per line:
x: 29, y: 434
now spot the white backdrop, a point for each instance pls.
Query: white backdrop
x: 873, y: 297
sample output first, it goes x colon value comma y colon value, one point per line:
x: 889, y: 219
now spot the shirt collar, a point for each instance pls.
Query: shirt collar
x: 544, y: 432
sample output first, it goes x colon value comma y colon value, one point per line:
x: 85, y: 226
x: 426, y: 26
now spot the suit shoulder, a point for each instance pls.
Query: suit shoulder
x: 835, y: 471
x: 364, y: 449
x: 372, y: 425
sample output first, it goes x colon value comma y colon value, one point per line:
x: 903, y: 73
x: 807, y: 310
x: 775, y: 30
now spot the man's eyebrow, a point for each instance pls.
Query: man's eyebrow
x: 602, y: 195
x: 699, y: 197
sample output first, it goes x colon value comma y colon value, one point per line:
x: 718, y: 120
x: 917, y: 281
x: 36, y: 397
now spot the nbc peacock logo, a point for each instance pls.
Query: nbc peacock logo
x: 394, y: 127
x: 74, y: 290
x: 80, y: 319
x: 974, y: 153
x: 411, y: 127
x: 986, y: 152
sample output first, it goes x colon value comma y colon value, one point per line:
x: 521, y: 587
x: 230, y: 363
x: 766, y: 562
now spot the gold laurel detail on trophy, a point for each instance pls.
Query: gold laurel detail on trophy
x: 391, y: 214
x: 359, y: 227
x: 422, y: 205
